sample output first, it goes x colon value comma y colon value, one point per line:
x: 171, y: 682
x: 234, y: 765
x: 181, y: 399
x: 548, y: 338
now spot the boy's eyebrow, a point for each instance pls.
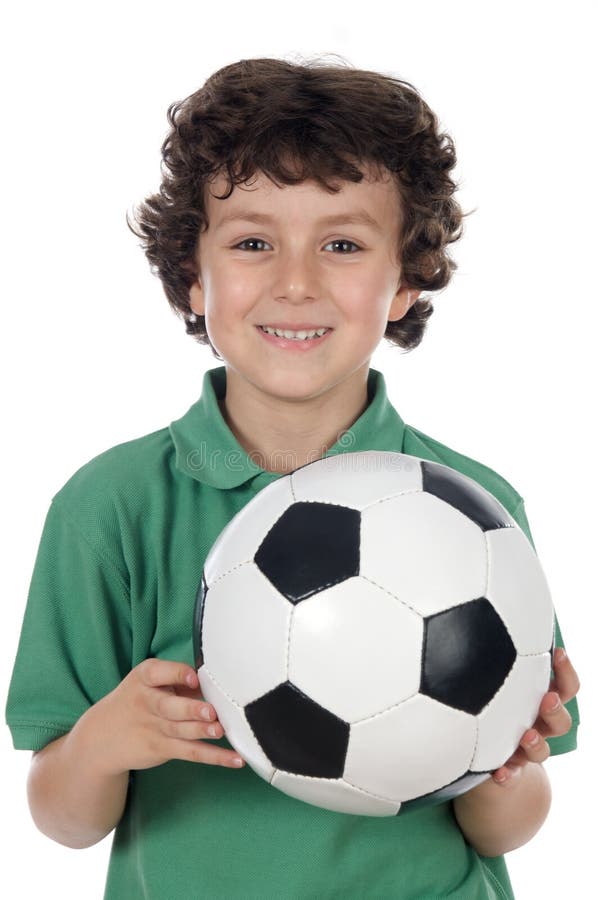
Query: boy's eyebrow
x: 357, y: 217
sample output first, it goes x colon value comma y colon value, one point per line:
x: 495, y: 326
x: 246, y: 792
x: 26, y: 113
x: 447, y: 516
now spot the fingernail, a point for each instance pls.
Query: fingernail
x: 500, y: 779
x: 213, y: 730
x: 190, y: 679
x: 533, y: 740
x: 237, y: 761
x: 561, y: 656
x: 206, y: 714
x: 555, y: 704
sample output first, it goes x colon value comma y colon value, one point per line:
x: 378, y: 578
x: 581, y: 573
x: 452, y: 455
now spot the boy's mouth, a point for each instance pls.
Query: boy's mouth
x: 301, y: 334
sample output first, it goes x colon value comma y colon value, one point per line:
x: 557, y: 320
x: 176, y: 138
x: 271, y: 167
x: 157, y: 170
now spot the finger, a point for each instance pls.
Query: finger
x: 554, y: 719
x: 191, y: 731
x: 506, y: 774
x: 186, y: 691
x: 533, y: 747
x: 566, y: 680
x: 198, y: 751
x: 180, y: 709
x: 164, y: 672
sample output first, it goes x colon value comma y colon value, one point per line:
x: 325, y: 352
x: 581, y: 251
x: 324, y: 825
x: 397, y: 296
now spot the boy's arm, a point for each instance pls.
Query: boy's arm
x: 70, y: 800
x: 77, y: 785
x: 506, y: 811
x: 496, y: 819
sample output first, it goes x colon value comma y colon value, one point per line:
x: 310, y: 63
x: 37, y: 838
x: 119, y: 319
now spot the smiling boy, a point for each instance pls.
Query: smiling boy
x: 304, y: 210
x: 297, y: 257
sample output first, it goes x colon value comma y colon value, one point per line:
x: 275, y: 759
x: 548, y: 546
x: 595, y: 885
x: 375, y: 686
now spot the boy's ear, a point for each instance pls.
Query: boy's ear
x: 196, y: 298
x: 402, y: 302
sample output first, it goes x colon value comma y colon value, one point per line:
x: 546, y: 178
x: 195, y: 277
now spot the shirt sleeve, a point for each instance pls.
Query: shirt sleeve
x: 565, y: 742
x: 75, y: 642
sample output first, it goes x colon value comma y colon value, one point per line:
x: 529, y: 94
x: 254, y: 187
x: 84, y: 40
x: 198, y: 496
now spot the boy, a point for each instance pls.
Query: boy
x: 302, y: 212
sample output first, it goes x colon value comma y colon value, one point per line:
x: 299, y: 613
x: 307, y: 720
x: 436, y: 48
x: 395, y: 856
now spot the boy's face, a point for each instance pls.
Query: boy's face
x: 293, y: 269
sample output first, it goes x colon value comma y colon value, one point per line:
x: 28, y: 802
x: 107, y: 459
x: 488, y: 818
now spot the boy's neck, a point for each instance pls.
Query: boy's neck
x: 282, y: 435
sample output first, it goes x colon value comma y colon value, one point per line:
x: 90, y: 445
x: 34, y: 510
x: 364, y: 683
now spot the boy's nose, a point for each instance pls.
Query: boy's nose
x: 295, y: 279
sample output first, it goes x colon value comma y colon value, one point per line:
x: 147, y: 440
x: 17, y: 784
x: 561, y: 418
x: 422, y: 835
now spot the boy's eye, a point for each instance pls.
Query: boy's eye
x: 345, y: 243
x: 249, y: 241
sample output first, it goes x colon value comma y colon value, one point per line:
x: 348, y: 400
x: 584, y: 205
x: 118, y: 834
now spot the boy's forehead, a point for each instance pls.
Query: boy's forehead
x: 376, y: 194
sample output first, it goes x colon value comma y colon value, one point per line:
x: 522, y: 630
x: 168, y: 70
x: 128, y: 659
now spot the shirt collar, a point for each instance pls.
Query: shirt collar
x: 207, y: 450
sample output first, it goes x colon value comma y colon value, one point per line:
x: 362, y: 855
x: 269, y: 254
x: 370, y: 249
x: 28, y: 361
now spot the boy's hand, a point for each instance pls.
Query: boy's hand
x: 553, y: 720
x: 154, y: 715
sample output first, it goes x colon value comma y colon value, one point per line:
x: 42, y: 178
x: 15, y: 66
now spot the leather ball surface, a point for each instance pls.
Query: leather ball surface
x: 374, y: 631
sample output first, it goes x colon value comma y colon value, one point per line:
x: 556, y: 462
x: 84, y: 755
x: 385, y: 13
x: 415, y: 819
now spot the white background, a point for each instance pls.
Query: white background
x: 93, y: 356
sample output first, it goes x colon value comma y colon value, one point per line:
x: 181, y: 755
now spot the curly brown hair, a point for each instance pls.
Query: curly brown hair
x: 328, y: 120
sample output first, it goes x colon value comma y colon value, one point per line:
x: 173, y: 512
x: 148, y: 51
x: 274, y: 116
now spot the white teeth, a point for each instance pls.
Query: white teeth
x: 294, y: 335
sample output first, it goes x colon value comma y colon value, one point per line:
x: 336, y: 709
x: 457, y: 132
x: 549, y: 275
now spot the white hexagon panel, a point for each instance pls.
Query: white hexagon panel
x: 512, y: 710
x: 356, y: 479
x: 518, y: 590
x: 256, y: 657
x: 418, y: 747
x: 439, y: 555
x: 236, y: 543
x: 339, y: 657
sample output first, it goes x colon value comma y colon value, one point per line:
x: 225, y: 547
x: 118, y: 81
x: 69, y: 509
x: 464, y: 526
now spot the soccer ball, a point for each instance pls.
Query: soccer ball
x: 375, y: 633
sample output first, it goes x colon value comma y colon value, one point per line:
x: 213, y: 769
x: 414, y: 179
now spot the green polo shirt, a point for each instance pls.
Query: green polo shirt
x: 114, y: 582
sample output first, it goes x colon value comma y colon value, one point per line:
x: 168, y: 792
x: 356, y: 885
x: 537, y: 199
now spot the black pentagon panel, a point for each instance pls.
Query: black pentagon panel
x: 297, y: 734
x: 465, y: 495
x: 198, y: 611
x: 467, y: 655
x: 449, y: 792
x: 311, y: 547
